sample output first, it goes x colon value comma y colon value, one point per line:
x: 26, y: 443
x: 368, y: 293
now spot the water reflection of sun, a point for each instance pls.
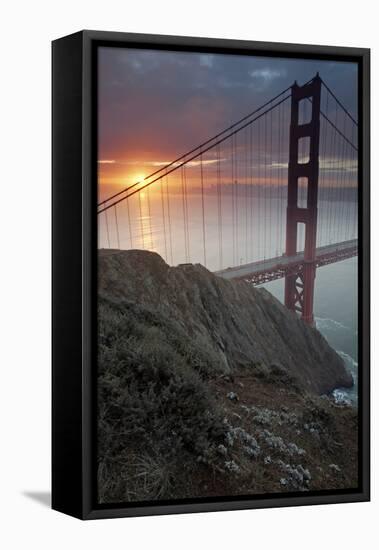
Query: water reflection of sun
x: 146, y: 241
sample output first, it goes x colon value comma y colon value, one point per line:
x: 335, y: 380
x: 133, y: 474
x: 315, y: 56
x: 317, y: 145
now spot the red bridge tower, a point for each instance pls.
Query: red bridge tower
x: 299, y: 286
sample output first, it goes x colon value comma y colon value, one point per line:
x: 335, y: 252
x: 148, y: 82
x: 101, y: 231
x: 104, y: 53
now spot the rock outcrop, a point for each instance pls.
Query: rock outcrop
x: 235, y: 325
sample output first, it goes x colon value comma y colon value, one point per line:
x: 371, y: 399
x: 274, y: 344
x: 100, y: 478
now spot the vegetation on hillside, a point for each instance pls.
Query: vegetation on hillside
x: 172, y: 424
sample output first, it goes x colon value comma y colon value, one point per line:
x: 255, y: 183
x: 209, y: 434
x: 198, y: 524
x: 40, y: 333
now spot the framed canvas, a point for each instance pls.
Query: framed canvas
x: 210, y: 275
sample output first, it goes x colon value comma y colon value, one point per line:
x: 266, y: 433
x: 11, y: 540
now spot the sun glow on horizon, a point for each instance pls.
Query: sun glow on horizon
x: 139, y: 177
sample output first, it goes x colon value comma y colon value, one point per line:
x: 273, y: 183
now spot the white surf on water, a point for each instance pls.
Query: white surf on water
x: 328, y: 325
x: 351, y: 394
x: 335, y: 308
x: 331, y: 329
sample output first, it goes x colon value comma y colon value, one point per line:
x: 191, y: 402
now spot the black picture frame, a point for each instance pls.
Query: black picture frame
x: 74, y: 271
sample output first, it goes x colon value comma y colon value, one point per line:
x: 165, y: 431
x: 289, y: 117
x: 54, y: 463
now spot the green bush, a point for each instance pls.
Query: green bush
x: 154, y: 408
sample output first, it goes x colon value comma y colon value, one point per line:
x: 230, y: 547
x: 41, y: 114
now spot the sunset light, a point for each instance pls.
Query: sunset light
x: 227, y: 251
x: 139, y: 177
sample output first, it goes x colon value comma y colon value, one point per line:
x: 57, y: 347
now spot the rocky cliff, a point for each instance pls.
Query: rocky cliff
x: 225, y: 325
x: 209, y: 387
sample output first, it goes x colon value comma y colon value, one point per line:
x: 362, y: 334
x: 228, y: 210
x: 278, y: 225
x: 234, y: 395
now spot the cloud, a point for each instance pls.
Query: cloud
x: 156, y: 105
x: 192, y: 163
x: 267, y: 74
x: 206, y: 60
x: 159, y: 163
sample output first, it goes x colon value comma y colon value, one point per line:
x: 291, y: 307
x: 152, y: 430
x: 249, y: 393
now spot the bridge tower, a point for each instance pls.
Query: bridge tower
x: 299, y: 285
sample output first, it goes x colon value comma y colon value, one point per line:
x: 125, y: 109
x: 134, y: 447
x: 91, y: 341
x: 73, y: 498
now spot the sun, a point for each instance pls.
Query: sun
x: 140, y: 177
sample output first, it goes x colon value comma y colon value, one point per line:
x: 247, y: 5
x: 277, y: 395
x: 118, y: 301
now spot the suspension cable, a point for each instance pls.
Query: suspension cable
x: 195, y: 156
x: 199, y: 147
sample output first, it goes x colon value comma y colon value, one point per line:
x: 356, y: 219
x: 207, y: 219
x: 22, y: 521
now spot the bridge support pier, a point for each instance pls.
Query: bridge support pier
x: 299, y: 285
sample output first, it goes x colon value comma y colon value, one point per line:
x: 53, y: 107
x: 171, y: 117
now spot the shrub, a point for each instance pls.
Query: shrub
x: 154, y: 408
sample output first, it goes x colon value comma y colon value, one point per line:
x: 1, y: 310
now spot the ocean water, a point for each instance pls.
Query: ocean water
x: 335, y: 308
x: 234, y: 232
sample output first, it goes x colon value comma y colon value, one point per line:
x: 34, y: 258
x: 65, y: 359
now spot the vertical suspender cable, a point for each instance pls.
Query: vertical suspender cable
x: 184, y: 215
x: 320, y: 216
x: 219, y: 199
x: 339, y: 186
x: 343, y: 184
x: 259, y: 190
x: 265, y: 186
x: 169, y: 218
x: 327, y: 161
x: 277, y: 183
x: 246, y: 192
x: 203, y: 207
x: 323, y: 165
x: 251, y: 237
x: 163, y: 220
x: 117, y: 231
x: 107, y: 227
x: 186, y: 212
x: 333, y: 187
x: 150, y: 219
x: 280, y: 203
x: 129, y: 224
x: 141, y: 222
x: 236, y: 198
x: 270, y: 190
x: 233, y: 205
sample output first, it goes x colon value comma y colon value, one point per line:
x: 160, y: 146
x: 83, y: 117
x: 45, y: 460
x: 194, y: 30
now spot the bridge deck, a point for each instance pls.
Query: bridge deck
x: 268, y: 270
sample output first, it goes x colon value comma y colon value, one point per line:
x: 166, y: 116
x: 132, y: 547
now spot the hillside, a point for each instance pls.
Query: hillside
x: 209, y: 386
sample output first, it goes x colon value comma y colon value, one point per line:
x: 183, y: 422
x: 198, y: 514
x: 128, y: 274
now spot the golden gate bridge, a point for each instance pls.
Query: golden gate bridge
x: 274, y: 195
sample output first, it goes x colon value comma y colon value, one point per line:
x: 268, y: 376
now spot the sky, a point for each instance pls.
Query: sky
x: 155, y: 105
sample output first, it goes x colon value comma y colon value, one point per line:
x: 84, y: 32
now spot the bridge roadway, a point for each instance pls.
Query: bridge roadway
x: 264, y: 271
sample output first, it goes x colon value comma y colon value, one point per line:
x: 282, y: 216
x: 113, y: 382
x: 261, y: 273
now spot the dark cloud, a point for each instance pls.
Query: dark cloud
x: 156, y: 105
